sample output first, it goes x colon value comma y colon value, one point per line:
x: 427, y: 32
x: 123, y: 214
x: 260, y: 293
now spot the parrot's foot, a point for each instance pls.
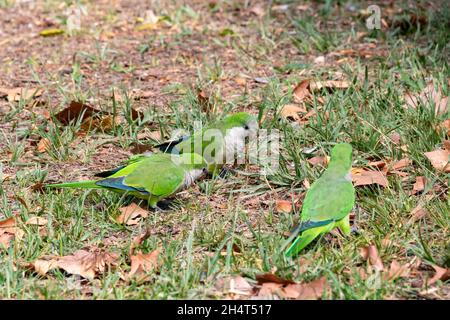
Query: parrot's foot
x: 164, y: 205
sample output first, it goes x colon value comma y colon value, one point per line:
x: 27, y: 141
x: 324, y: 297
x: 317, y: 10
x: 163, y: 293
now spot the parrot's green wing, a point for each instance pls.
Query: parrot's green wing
x: 327, y: 205
x: 328, y: 199
x: 156, y: 175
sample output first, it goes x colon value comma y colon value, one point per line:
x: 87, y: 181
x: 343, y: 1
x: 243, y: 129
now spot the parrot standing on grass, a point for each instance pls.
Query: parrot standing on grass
x: 327, y: 203
x: 221, y: 141
x: 152, y: 177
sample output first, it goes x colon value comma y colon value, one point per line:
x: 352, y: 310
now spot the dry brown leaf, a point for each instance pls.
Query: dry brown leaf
x: 446, y: 144
x: 400, y: 164
x: 37, y: 221
x: 6, y: 239
x: 301, y: 92
x: 361, y: 177
x: 43, y: 145
x: 378, y: 164
x: 235, y: 285
x: 328, y: 84
x: 270, y: 277
x: 8, y: 225
x: 131, y: 214
x: 417, y: 213
x: 9, y: 231
x: 397, y: 270
x: 306, y: 291
x: 291, y: 111
x: 439, y: 159
x: 419, y: 185
x: 319, y: 160
x: 16, y: 94
x: 74, y: 111
x: 104, y: 123
x: 143, y: 263
x: 370, y: 253
x: 444, y: 126
x: 428, y: 96
x: 269, y: 289
x: 84, y: 263
x: 442, y: 274
x: 395, y: 137
x: 283, y: 206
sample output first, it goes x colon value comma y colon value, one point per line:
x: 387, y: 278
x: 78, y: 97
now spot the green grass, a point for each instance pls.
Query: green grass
x: 197, y: 237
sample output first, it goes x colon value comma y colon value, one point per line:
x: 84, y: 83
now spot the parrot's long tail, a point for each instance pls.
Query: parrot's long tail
x: 78, y: 184
x: 306, y: 238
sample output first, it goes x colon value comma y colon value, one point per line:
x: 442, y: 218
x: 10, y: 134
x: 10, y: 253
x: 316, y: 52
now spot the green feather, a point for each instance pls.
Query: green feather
x: 152, y: 177
x: 329, y: 200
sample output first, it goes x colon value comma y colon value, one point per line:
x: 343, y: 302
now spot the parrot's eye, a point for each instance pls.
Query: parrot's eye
x: 246, y: 127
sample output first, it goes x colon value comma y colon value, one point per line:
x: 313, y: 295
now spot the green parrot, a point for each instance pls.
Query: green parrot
x: 327, y: 203
x: 219, y: 143
x: 152, y: 177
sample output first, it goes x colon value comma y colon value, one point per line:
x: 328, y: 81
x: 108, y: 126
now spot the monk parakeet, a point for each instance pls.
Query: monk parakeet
x: 151, y: 177
x: 220, y: 142
x: 328, y: 202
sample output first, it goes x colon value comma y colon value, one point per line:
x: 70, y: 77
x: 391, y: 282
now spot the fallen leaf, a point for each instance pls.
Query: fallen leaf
x: 104, y: 123
x: 328, y: 84
x: 131, y: 214
x: 51, y: 32
x: 370, y: 253
x: 361, y: 177
x: 400, y: 164
x: 84, y: 263
x: 309, y: 291
x: 6, y: 239
x: 291, y: 111
x: 16, y: 94
x: 74, y: 111
x: 43, y: 145
x: 442, y: 274
x: 235, y: 285
x: 428, y: 96
x: 444, y: 126
x: 283, y: 206
x: 269, y: 289
x: 419, y: 185
x: 9, y: 231
x: 396, y: 270
x: 446, y: 144
x: 45, y: 264
x: 417, y: 213
x: 319, y: 160
x: 439, y: 159
x: 37, y: 221
x: 270, y: 277
x: 143, y: 263
x: 301, y: 92
x: 140, y: 148
x: 395, y: 137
